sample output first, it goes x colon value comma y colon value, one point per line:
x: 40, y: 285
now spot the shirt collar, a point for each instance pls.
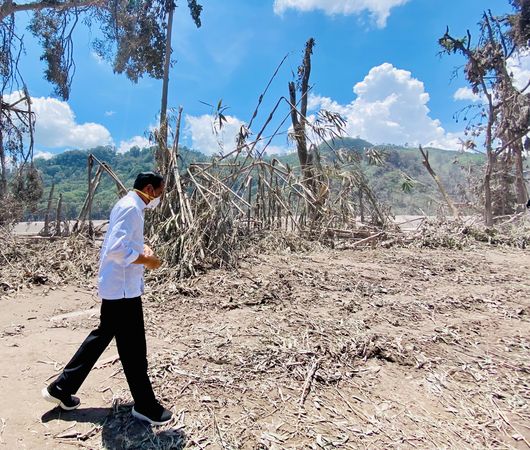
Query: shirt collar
x: 136, y: 197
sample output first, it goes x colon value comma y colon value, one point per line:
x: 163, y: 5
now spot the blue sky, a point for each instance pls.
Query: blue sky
x: 387, y: 49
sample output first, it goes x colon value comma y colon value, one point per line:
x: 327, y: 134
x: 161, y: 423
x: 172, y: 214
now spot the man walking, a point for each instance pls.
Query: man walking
x: 120, y: 286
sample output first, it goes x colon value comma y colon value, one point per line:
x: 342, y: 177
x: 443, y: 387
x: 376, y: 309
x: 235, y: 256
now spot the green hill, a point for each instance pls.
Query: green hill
x: 386, y: 180
x: 68, y: 171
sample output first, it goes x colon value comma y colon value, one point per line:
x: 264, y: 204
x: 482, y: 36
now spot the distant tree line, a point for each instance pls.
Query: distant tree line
x: 67, y: 172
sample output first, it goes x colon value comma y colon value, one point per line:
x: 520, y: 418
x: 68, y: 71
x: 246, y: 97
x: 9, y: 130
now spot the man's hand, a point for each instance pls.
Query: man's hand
x: 152, y: 262
x: 148, y: 259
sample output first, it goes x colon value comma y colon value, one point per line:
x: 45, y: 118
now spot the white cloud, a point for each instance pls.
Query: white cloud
x: 43, y: 155
x: 56, y: 126
x: 378, y: 9
x: 204, y: 138
x: 136, y: 141
x: 466, y: 94
x: 519, y: 67
x: 391, y: 107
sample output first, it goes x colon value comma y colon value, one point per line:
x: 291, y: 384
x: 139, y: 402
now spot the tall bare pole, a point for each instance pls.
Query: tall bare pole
x: 3, y: 162
x: 300, y: 119
x: 90, y: 165
x: 162, y: 151
x: 520, y: 184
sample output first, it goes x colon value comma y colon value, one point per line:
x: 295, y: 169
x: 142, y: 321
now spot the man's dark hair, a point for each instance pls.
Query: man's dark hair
x: 145, y: 178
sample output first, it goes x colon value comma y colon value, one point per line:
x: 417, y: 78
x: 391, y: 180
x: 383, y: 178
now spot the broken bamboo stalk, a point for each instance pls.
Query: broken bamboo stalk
x: 436, y: 178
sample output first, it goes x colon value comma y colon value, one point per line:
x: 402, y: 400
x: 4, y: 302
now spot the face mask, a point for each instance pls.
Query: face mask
x: 153, y: 201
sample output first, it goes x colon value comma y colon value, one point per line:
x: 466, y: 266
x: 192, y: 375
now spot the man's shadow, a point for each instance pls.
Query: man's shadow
x: 119, y: 430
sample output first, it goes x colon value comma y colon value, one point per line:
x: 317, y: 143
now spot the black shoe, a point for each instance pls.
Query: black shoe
x: 54, y: 394
x: 157, y: 415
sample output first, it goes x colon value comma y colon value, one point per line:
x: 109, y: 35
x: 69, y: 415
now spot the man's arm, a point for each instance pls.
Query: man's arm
x: 120, y: 249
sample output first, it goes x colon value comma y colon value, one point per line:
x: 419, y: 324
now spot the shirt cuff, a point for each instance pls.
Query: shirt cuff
x: 131, y: 258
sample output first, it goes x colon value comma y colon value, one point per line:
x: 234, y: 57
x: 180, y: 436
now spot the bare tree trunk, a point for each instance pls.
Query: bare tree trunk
x: 90, y: 195
x: 173, y: 179
x: 162, y: 157
x: 310, y: 176
x: 46, y: 230
x: 172, y: 176
x: 92, y: 191
x: 435, y: 177
x: 488, y: 206
x: 3, y: 165
x: 58, y: 216
x: 10, y: 7
x: 299, y: 128
x: 361, y: 204
x: 299, y: 120
x: 502, y: 175
x: 3, y: 168
x: 520, y: 185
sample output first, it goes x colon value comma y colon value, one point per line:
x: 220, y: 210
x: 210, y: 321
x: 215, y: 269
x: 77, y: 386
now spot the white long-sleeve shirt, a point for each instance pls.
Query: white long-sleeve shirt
x: 124, y: 242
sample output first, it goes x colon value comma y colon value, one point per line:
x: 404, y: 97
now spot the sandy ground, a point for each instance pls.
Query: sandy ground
x: 400, y: 348
x: 33, y: 228
x: 407, y: 223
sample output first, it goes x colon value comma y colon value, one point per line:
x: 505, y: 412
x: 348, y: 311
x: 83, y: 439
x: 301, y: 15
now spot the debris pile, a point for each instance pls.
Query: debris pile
x: 28, y: 261
x: 407, y: 347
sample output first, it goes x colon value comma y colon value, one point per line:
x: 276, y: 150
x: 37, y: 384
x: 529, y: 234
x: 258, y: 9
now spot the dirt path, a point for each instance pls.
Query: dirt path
x: 368, y: 349
x: 37, y: 337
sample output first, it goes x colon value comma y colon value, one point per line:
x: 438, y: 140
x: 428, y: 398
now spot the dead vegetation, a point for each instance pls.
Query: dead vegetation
x: 423, y: 344
x: 299, y: 344
x: 512, y: 231
x: 56, y: 261
x: 33, y: 261
x: 403, y: 348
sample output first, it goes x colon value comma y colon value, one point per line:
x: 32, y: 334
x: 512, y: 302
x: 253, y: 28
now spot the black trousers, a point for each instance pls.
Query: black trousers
x: 124, y: 320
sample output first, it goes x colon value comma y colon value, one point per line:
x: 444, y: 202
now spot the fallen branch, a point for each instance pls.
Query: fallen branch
x: 309, y: 381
